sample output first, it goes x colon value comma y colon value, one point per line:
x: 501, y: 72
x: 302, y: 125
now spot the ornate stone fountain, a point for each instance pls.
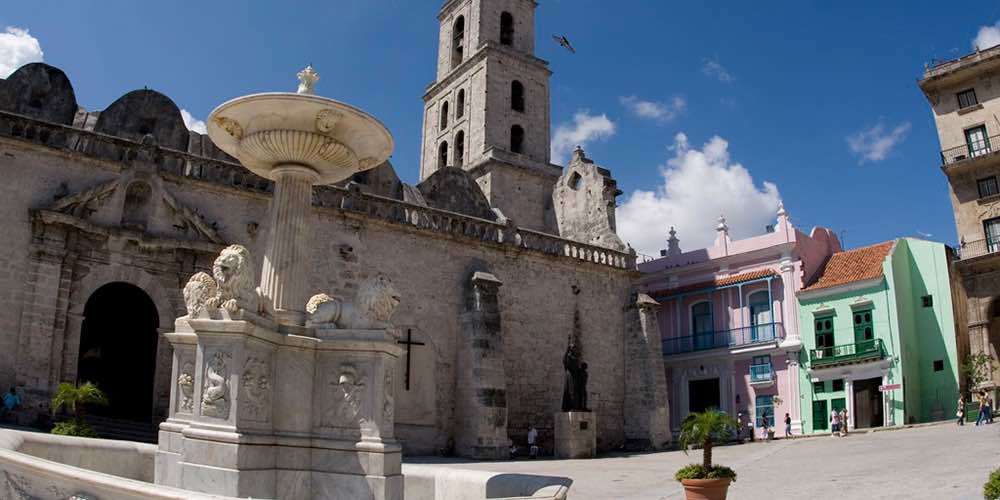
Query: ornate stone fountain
x: 297, y: 140
x: 277, y: 395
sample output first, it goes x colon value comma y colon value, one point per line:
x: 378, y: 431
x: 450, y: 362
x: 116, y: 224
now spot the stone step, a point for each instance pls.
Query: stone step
x: 126, y: 430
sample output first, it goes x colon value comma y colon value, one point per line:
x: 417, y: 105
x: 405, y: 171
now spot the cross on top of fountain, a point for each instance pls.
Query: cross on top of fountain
x: 307, y: 80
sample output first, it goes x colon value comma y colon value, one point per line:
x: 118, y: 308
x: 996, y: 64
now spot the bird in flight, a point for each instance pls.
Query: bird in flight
x: 564, y: 42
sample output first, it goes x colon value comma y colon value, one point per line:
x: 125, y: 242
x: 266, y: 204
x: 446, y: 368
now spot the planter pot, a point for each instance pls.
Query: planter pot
x: 706, y: 489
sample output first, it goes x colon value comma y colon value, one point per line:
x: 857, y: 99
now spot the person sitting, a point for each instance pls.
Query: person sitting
x: 11, y: 401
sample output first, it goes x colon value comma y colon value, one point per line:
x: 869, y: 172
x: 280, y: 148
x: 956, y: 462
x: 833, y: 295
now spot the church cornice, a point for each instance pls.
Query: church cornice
x: 495, y: 156
x: 486, y: 50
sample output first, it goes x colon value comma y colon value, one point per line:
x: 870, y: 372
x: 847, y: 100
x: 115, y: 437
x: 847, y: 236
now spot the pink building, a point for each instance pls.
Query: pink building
x: 729, y: 322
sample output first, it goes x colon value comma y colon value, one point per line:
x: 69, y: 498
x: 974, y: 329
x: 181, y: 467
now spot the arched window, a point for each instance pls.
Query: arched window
x: 457, y: 41
x: 517, y: 96
x: 506, y: 29
x: 516, y: 139
x: 460, y: 105
x: 443, y: 155
x: 444, y: 115
x: 460, y: 149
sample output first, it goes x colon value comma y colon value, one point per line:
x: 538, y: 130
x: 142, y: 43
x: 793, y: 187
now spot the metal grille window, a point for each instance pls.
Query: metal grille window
x: 988, y: 186
x: 977, y: 140
x: 967, y: 98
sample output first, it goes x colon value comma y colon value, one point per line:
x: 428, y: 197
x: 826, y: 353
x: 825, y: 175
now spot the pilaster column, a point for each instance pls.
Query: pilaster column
x: 283, y: 282
x: 849, y: 393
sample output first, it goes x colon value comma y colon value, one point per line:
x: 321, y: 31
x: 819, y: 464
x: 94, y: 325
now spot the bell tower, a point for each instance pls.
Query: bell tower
x: 488, y: 111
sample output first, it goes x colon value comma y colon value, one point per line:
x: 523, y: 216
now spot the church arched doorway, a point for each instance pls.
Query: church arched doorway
x: 118, y: 350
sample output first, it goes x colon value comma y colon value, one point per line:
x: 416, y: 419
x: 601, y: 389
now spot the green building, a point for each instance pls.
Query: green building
x: 878, y: 335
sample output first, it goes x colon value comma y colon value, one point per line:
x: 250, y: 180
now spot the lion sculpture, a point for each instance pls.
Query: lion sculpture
x: 199, y: 291
x: 371, y: 308
x: 231, y: 285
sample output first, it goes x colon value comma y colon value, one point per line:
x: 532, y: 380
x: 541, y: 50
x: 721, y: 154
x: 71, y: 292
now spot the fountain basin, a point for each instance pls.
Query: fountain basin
x: 269, y: 130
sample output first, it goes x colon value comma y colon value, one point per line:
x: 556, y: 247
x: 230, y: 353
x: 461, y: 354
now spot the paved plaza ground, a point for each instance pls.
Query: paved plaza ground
x: 934, y: 462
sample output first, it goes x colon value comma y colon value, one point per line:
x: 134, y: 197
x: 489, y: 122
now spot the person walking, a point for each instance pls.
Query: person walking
x: 834, y: 422
x: 989, y: 409
x: 843, y: 422
x: 981, y: 399
x: 788, y: 426
x: 739, y: 427
x: 961, y: 410
x: 533, y: 441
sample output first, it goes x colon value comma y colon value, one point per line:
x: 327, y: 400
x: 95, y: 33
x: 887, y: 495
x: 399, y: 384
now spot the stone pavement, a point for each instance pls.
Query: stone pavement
x: 935, y: 462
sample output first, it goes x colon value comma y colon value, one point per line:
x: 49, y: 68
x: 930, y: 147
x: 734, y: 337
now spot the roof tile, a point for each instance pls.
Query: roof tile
x: 850, y: 266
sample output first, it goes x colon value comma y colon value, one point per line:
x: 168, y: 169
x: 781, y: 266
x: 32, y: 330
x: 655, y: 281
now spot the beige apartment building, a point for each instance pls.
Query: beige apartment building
x: 965, y: 97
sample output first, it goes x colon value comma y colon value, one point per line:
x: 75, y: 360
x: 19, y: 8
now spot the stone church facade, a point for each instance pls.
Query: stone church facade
x: 495, y: 252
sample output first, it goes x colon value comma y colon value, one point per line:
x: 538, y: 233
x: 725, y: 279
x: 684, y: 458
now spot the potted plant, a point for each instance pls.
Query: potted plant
x: 991, y: 490
x: 74, y: 398
x: 705, y: 481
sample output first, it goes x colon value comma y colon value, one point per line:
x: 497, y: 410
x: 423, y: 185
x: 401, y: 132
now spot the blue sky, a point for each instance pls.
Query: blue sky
x: 783, y: 89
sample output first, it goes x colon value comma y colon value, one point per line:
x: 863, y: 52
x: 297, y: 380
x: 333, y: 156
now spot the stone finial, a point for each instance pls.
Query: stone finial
x: 307, y: 80
x: 578, y: 154
x: 722, y: 227
x: 673, y: 243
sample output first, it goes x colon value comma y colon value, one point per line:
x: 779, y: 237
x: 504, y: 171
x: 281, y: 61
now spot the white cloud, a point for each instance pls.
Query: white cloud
x: 193, y: 124
x: 987, y: 37
x: 17, y: 48
x: 715, y: 69
x: 876, y: 143
x: 584, y: 128
x: 659, y: 111
x: 697, y: 186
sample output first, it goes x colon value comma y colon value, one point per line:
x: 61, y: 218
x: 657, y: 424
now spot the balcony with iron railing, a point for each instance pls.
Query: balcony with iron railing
x: 761, y: 375
x: 724, y: 339
x: 858, y: 352
x: 972, y: 249
x: 971, y: 150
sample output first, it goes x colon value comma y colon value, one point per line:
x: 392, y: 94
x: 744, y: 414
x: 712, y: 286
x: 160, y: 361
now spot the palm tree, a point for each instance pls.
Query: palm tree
x: 705, y: 429
x: 74, y: 398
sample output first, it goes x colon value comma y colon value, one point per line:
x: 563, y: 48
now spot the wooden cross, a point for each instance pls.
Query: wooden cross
x: 409, y: 343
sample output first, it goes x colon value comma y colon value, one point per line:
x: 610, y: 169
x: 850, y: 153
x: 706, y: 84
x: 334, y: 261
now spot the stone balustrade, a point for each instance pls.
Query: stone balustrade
x: 345, y: 199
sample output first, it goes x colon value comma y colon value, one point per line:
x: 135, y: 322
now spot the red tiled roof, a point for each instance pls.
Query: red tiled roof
x: 718, y: 282
x: 853, y: 265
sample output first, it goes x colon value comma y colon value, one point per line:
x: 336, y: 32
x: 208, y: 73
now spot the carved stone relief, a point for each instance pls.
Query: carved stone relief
x: 185, y: 388
x: 346, y: 403
x: 215, y: 388
x: 389, y: 406
x: 256, y: 384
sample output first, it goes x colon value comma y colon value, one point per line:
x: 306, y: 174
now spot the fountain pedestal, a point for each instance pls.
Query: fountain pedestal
x: 282, y: 416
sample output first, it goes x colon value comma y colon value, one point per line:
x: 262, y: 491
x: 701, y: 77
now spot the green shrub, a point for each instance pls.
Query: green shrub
x: 991, y: 490
x: 699, y: 471
x: 74, y: 428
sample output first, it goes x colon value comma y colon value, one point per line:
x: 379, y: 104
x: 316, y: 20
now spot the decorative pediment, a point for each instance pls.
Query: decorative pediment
x: 138, y: 205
